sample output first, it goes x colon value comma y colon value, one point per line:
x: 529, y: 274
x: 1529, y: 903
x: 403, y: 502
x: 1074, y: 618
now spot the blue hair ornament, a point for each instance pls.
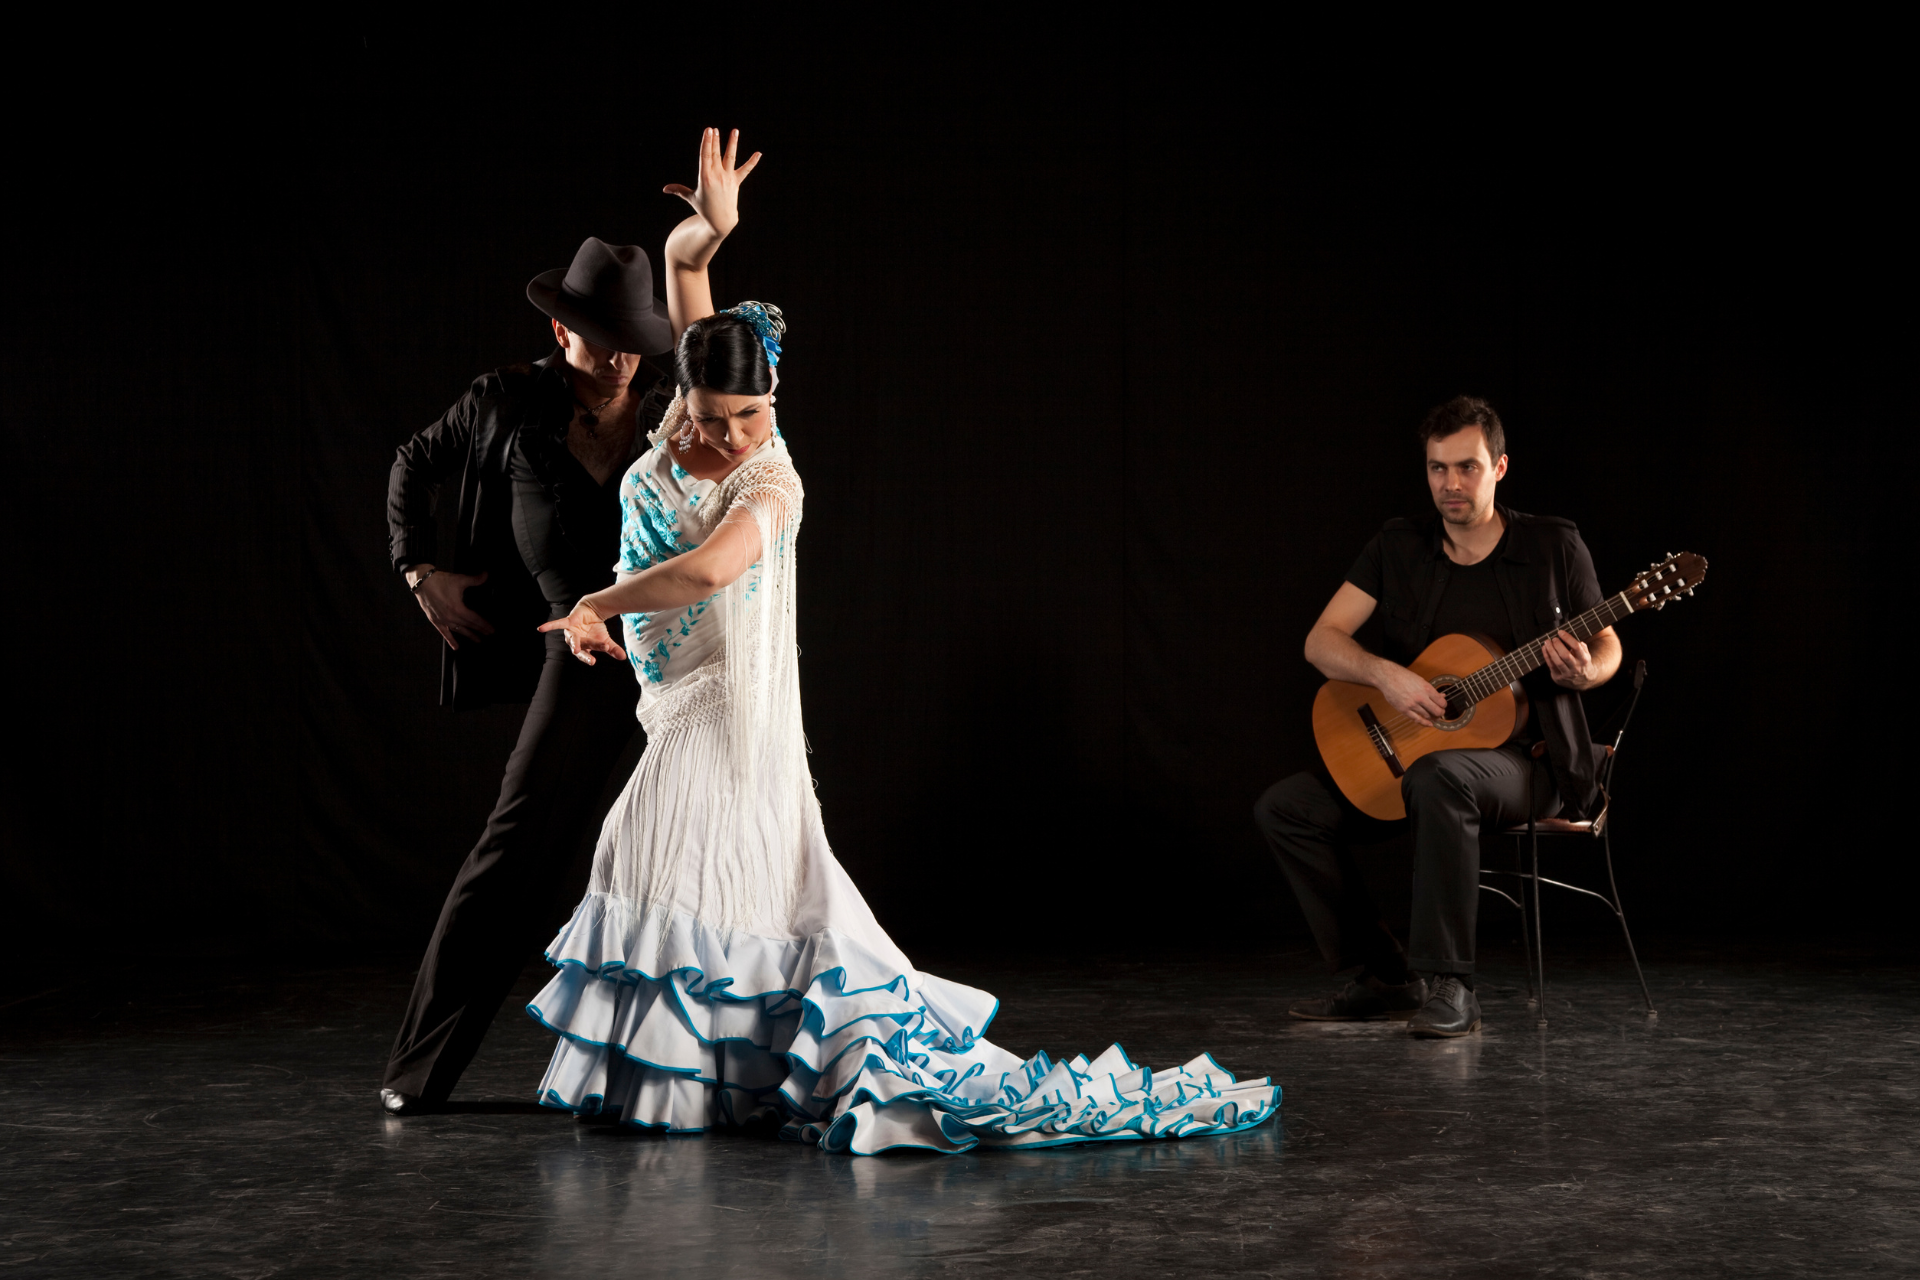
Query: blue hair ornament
x: 768, y: 322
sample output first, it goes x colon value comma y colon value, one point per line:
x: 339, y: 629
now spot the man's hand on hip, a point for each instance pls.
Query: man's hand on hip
x: 442, y: 596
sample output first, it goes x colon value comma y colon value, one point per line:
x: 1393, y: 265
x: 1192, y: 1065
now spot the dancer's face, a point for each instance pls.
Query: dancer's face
x: 609, y: 371
x: 732, y: 426
x: 1463, y: 476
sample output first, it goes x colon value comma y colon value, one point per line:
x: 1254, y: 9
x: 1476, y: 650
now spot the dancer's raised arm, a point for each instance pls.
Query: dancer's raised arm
x: 692, y: 244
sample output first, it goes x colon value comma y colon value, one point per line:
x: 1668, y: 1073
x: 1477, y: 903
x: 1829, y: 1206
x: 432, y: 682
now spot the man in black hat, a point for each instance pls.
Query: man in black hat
x: 539, y: 451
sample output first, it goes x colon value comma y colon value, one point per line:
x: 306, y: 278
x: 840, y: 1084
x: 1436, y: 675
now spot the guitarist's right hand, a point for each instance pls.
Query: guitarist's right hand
x: 1410, y: 695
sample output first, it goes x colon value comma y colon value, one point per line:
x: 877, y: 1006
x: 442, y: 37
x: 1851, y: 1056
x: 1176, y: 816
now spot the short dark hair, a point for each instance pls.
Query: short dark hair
x: 723, y: 353
x: 1460, y: 413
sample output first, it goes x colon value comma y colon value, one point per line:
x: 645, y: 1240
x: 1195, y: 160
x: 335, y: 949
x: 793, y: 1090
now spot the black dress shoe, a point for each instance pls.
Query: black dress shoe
x: 1365, y: 999
x: 1451, y: 1010
x: 396, y: 1103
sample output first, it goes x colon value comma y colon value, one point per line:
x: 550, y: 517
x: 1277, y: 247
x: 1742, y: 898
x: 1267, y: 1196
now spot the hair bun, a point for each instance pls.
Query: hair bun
x: 733, y: 351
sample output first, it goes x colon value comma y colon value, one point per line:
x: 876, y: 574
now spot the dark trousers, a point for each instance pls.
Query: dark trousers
x: 1451, y: 796
x: 500, y: 909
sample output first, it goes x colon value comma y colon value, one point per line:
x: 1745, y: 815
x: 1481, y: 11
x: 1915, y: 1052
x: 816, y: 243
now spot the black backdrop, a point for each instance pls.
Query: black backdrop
x: 1104, y: 362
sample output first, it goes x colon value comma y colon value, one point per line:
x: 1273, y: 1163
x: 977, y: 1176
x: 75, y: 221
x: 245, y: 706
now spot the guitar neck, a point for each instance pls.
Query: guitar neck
x: 1502, y: 672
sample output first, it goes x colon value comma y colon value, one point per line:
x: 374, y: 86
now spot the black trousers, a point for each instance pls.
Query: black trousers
x: 1451, y: 796
x: 500, y: 909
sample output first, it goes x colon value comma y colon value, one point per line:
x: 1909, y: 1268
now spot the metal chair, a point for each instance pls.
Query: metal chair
x: 1526, y: 841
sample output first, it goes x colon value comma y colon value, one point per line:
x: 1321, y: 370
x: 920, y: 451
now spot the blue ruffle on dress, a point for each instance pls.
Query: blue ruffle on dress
x: 848, y: 1050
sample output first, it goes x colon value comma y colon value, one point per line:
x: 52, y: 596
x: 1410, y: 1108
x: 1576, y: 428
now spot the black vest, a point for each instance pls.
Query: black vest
x: 1546, y: 577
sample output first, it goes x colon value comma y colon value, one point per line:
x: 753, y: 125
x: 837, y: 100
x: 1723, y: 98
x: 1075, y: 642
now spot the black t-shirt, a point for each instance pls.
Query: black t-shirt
x: 563, y: 522
x: 1470, y: 600
x: 1470, y: 603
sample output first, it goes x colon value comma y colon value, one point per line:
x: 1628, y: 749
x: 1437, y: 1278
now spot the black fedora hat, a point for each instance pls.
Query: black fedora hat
x: 606, y: 297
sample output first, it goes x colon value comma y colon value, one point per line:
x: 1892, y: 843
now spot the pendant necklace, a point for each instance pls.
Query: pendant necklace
x: 590, y: 416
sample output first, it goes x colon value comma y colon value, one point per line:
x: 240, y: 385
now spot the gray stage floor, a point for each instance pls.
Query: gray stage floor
x: 210, y: 1121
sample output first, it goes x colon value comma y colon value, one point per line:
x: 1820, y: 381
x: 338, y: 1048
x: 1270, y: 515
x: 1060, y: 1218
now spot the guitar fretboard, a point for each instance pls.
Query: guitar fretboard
x: 1502, y: 672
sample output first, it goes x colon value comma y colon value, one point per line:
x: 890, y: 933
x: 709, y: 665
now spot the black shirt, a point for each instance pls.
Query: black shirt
x: 475, y: 443
x: 566, y: 525
x: 1470, y: 603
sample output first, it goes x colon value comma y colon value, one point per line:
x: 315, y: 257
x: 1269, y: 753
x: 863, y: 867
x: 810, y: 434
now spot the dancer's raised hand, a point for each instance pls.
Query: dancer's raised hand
x: 716, y: 197
x: 586, y: 634
x: 692, y: 244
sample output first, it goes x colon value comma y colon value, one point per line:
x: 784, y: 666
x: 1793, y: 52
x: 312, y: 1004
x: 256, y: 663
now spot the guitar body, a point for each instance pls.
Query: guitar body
x: 1350, y: 747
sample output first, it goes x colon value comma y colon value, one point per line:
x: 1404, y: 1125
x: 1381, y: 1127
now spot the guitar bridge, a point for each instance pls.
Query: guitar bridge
x: 1381, y: 742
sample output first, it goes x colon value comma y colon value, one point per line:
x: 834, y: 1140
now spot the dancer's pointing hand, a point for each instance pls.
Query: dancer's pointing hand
x: 586, y: 634
x: 717, y: 197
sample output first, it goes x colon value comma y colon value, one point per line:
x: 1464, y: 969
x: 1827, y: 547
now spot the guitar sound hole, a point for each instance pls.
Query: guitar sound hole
x: 1459, y: 710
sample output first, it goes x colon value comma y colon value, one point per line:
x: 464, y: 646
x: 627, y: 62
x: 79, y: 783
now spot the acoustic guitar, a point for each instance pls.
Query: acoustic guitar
x: 1368, y: 746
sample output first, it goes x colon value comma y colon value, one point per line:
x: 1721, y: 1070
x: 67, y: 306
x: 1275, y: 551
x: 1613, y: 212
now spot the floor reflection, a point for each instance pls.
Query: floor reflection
x: 231, y: 1131
x: 735, y: 1202
x: 1446, y: 1061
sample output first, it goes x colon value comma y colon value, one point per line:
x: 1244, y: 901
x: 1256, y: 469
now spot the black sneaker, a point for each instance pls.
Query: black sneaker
x: 1452, y: 1010
x: 1365, y: 999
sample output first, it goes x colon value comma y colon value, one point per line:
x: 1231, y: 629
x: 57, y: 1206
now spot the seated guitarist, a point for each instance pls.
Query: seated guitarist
x: 1480, y: 568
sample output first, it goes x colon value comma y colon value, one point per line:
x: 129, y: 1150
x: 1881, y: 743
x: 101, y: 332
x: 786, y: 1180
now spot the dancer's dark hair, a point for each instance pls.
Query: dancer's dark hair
x: 723, y: 353
x: 1460, y: 413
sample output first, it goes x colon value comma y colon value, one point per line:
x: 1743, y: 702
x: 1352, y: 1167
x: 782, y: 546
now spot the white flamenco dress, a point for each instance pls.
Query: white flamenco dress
x: 723, y: 967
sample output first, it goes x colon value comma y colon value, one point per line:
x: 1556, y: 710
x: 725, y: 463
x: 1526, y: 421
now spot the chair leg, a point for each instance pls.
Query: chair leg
x: 1526, y: 919
x: 1606, y: 841
x: 1539, y: 947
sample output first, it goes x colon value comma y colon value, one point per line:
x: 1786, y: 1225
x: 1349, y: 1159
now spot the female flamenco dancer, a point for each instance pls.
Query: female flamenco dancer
x: 723, y: 969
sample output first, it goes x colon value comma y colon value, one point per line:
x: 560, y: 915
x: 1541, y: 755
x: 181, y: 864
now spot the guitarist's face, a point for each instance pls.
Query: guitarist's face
x: 1462, y: 476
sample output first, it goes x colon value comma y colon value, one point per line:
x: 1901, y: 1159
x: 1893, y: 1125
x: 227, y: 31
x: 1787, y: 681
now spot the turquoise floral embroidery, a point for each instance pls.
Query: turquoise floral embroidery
x: 634, y: 554
x: 662, y: 524
x: 650, y: 662
x: 654, y: 503
x: 681, y: 474
x: 649, y: 529
x: 650, y: 534
x: 691, y: 618
x: 635, y: 624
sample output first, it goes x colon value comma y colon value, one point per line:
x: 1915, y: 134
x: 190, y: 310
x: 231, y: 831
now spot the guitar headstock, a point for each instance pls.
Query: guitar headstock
x: 1667, y: 580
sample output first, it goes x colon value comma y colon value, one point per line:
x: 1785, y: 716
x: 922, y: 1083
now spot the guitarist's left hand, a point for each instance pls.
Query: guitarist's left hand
x: 1572, y: 664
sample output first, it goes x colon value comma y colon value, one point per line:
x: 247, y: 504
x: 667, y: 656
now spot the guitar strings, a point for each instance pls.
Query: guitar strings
x: 1532, y: 651
x: 1521, y: 662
